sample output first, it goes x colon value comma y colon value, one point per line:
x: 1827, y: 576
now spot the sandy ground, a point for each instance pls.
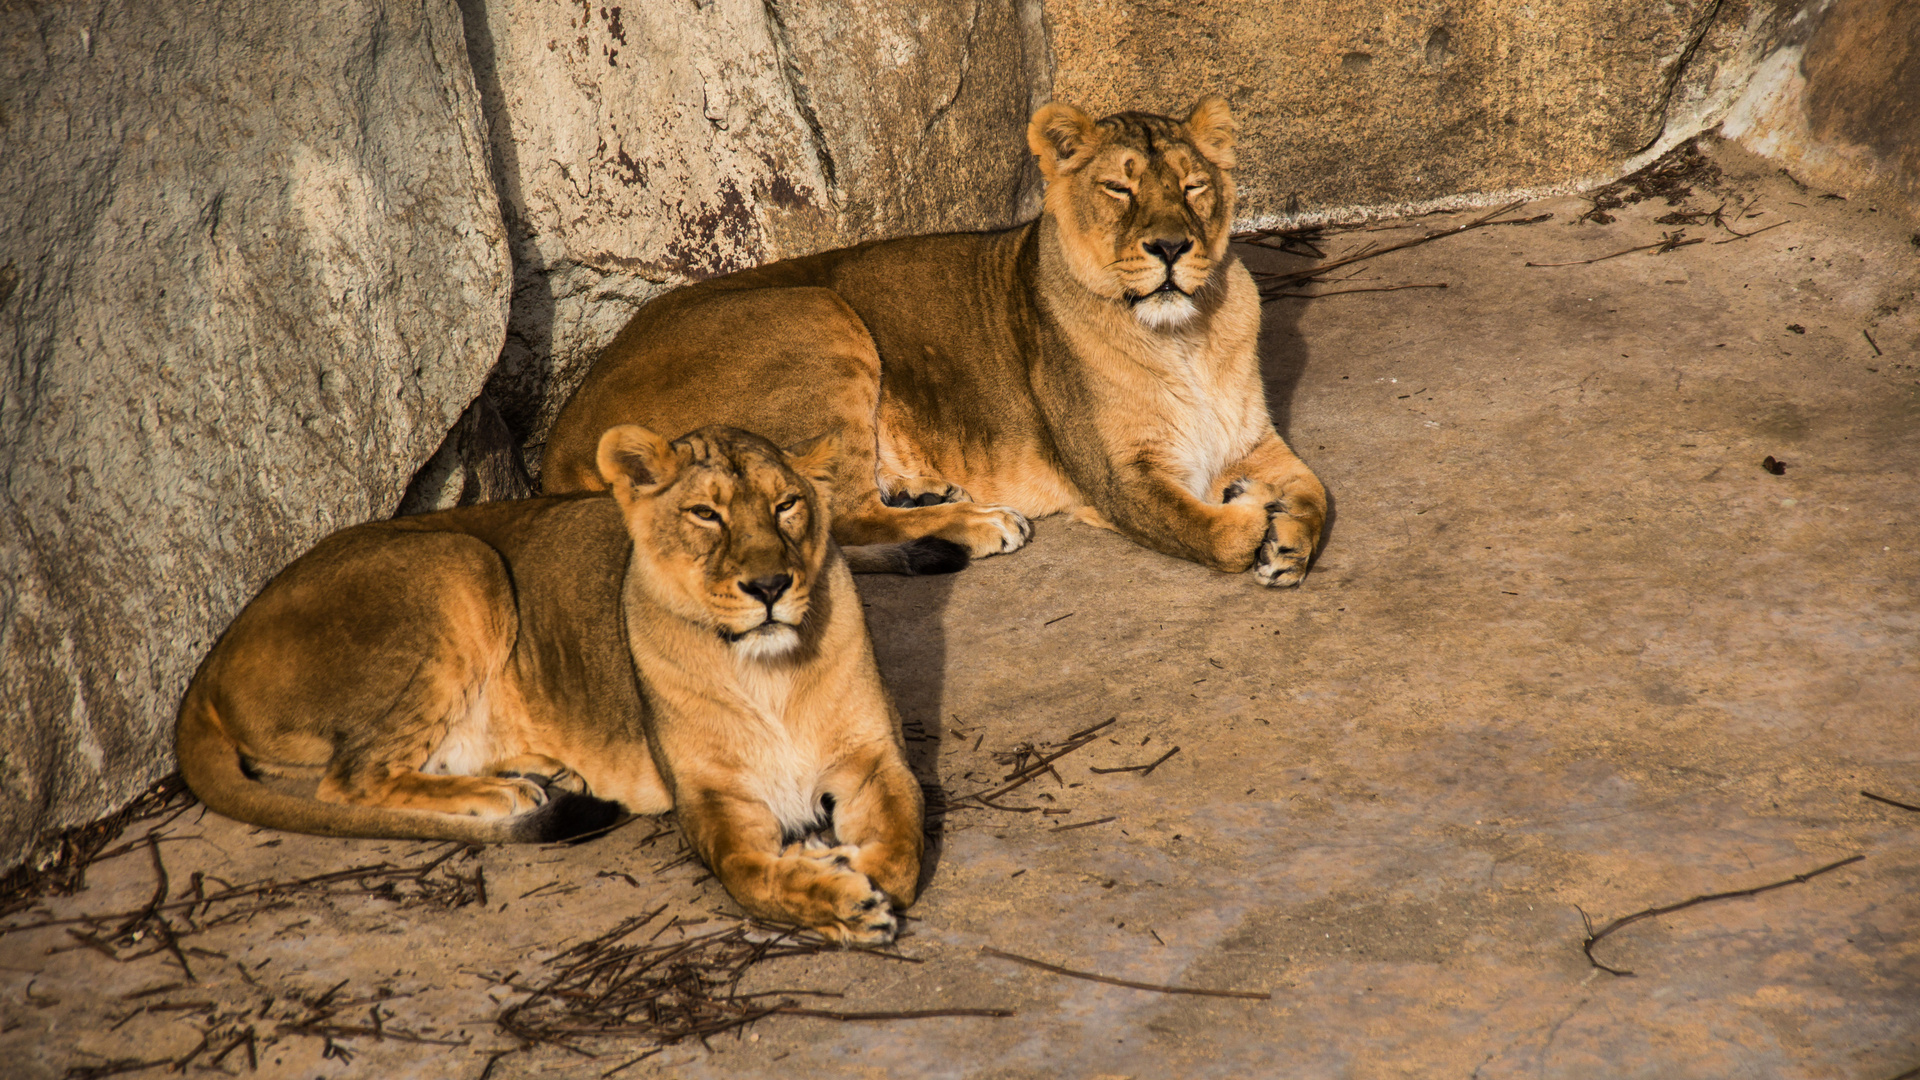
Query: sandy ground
x: 1569, y: 649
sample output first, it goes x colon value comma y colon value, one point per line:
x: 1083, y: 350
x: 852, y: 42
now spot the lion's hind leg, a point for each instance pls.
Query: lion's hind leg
x: 904, y: 492
x: 980, y: 530
x: 438, y: 752
x: 551, y: 774
x: 895, y: 539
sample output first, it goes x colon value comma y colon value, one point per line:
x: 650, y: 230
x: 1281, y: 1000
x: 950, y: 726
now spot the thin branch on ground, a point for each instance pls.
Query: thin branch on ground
x: 611, y: 988
x: 408, y: 886
x: 1594, y: 937
x: 1251, y: 995
x: 1026, y: 773
x: 1756, y: 232
x: 1667, y: 242
x: 1084, y: 824
x: 1342, y: 292
x: 1272, y: 281
x: 1891, y: 802
x: 60, y: 868
x: 1143, y: 770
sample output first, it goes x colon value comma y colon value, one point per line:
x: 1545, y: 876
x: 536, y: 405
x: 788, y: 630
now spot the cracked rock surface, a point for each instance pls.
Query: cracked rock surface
x: 246, y: 285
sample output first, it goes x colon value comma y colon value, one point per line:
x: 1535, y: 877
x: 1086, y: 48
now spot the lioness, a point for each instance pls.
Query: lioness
x: 471, y: 675
x: 1099, y: 359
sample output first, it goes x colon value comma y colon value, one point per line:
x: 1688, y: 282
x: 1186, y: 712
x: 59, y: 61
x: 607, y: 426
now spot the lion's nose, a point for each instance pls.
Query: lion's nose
x: 768, y: 589
x: 1168, y: 251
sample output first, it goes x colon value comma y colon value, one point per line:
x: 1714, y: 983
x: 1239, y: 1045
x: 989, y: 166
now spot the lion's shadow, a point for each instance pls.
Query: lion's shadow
x: 1283, y: 361
x: 907, y: 617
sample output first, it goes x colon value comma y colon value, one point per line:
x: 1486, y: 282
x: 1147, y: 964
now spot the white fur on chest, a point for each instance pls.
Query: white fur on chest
x: 1201, y: 434
x: 781, y: 771
x: 467, y: 747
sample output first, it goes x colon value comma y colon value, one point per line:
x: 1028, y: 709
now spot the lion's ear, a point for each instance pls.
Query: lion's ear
x: 815, y: 458
x: 1061, y: 136
x: 631, y: 456
x: 1211, y: 125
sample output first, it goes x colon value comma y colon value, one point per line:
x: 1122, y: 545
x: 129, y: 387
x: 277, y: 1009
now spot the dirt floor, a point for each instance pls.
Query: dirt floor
x: 1570, y: 653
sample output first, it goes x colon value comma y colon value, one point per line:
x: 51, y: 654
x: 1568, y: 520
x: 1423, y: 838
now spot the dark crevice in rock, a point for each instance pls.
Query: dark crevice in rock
x: 960, y: 83
x: 802, y: 99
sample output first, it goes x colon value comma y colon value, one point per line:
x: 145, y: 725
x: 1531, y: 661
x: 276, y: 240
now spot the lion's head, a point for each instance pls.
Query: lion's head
x: 730, y: 532
x: 1143, y: 204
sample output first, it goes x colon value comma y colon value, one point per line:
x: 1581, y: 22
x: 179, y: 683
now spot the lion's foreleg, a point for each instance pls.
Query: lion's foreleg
x: 816, y: 887
x: 1296, y: 509
x: 878, y: 811
x: 1152, y: 508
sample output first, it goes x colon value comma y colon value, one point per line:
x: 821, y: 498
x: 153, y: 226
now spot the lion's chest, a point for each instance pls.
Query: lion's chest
x: 1202, y: 430
x: 781, y: 764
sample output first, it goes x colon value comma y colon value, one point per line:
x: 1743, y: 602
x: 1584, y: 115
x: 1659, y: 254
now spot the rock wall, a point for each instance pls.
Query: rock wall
x: 251, y: 270
x: 644, y: 146
x: 1839, y: 103
x: 1350, y: 106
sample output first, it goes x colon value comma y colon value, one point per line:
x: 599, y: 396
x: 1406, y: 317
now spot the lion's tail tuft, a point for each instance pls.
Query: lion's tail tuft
x: 566, y: 817
x: 916, y: 558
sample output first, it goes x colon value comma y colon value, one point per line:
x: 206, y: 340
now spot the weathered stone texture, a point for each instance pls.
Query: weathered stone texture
x: 251, y: 270
x: 643, y: 146
x: 1348, y: 104
x: 1839, y: 105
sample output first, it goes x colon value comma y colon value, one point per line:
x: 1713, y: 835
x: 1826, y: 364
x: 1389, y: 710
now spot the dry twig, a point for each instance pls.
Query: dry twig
x: 610, y: 988
x: 1023, y: 774
x: 1666, y: 243
x: 1251, y: 995
x: 1343, y: 292
x: 1594, y: 936
x: 1756, y: 232
x: 1891, y: 802
x: 1143, y: 770
x: 1272, y: 282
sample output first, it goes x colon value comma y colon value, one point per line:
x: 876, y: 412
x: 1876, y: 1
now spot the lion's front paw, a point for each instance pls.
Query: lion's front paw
x: 1245, y: 489
x: 863, y: 916
x: 843, y: 904
x: 1284, y: 552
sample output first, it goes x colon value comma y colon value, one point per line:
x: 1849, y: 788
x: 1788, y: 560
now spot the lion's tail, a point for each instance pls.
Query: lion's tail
x: 210, y: 764
x: 927, y: 555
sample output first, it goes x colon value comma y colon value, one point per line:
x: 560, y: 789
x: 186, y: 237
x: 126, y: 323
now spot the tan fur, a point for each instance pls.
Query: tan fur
x: 452, y: 676
x: 1099, y: 360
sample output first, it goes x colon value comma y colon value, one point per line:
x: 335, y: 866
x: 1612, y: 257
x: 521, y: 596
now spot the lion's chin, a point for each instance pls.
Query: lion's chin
x: 1164, y: 310
x: 768, y: 641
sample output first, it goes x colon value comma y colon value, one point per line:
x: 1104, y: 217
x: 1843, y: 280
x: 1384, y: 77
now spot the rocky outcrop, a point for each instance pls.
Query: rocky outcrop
x: 1839, y: 103
x: 251, y: 270
x: 643, y: 146
x: 1357, y: 105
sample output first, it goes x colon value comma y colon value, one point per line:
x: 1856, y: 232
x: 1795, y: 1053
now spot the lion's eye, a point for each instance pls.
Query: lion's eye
x: 1196, y: 188
x: 791, y: 502
x: 1118, y: 191
x: 704, y: 513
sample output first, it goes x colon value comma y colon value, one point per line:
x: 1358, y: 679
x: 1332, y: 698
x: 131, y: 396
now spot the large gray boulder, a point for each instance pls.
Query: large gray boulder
x: 251, y: 270
x: 643, y: 146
